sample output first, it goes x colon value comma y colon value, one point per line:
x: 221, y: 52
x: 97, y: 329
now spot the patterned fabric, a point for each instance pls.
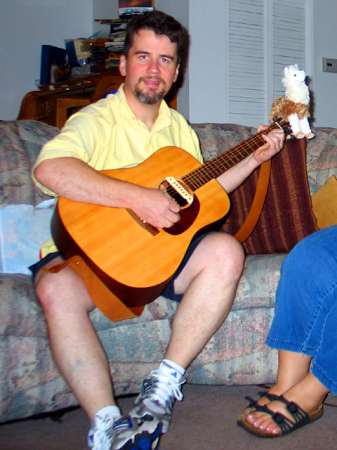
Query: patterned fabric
x: 20, y: 143
x: 287, y: 215
x: 29, y: 381
x: 321, y: 157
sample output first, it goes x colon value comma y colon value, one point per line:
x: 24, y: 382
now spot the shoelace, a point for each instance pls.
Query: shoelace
x: 106, y: 429
x: 101, y: 435
x: 122, y: 424
x: 163, y: 388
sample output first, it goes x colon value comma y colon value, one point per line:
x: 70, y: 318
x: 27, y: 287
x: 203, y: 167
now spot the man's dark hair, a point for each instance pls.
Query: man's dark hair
x: 161, y: 24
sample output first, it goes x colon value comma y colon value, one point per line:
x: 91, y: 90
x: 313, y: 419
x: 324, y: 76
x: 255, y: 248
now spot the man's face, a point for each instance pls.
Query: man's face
x: 150, y: 67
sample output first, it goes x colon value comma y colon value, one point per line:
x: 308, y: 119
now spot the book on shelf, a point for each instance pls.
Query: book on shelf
x: 50, y: 54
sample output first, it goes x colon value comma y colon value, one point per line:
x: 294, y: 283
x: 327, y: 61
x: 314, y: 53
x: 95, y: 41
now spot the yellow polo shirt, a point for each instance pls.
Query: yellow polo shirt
x: 107, y: 135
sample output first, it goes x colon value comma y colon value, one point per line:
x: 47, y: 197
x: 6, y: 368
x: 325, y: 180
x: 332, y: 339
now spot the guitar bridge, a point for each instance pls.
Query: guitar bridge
x: 177, y: 190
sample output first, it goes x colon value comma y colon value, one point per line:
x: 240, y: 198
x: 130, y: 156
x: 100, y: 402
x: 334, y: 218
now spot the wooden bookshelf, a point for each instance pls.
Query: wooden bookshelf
x: 53, y: 104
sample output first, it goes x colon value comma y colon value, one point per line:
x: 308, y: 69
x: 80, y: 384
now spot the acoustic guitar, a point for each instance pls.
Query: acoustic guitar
x: 135, y: 260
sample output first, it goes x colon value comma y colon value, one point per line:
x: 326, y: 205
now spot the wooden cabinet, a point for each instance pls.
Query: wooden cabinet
x: 53, y: 104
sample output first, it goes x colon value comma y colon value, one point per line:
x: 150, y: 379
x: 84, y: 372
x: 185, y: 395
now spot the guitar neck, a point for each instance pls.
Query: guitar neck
x: 217, y: 166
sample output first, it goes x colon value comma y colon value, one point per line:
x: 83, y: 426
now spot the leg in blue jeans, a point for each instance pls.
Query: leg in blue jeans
x: 304, y: 329
x: 306, y: 304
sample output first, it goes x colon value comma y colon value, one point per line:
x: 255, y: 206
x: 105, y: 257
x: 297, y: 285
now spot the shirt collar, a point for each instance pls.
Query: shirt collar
x: 164, y: 118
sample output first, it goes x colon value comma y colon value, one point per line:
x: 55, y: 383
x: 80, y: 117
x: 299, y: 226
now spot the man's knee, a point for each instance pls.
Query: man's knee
x: 63, y: 289
x: 227, y: 253
x: 48, y: 287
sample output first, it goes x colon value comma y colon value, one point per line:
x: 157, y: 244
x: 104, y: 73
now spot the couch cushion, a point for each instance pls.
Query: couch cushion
x: 321, y: 157
x: 20, y: 143
x: 21, y: 314
x: 287, y: 215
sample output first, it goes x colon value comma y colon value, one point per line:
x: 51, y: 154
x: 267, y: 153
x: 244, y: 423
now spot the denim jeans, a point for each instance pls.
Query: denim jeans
x: 305, y: 318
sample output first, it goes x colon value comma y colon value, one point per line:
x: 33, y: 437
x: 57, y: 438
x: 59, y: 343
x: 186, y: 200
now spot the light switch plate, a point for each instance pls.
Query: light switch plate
x: 329, y: 65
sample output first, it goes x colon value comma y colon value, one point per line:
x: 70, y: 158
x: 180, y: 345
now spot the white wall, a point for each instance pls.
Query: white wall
x: 180, y: 10
x: 207, y: 66
x: 207, y: 61
x: 24, y: 26
x: 104, y: 9
x: 324, y: 84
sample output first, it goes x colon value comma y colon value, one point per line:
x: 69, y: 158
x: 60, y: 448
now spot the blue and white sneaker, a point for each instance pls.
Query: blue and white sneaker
x: 123, y: 434
x: 159, y: 392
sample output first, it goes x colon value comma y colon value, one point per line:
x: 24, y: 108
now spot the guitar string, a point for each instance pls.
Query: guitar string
x: 215, y: 167
x: 224, y: 161
x: 212, y: 169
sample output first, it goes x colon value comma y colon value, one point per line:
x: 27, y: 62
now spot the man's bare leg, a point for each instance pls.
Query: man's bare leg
x: 209, y: 282
x: 75, y: 346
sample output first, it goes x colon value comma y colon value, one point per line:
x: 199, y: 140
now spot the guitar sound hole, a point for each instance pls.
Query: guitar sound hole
x: 178, y: 198
x: 187, y: 217
x: 173, y: 191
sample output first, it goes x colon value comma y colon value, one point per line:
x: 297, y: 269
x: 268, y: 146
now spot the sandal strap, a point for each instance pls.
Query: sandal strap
x: 269, y: 396
x: 300, y: 417
x: 251, y: 401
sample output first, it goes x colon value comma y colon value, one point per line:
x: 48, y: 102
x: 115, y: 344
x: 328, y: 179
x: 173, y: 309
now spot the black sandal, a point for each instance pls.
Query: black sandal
x: 252, y: 403
x: 301, y: 418
x: 270, y: 397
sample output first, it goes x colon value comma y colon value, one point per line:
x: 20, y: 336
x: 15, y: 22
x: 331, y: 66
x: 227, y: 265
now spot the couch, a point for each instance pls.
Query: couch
x: 29, y: 381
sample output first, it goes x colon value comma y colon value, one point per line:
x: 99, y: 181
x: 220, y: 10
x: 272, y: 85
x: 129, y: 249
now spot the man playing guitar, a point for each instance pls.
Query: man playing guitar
x: 122, y: 131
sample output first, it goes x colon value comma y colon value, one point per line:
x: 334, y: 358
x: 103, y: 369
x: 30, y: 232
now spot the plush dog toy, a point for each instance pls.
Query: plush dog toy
x: 294, y: 106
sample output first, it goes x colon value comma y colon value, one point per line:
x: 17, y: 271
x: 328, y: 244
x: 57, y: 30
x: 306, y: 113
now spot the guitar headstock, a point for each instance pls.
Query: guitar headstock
x: 285, y: 125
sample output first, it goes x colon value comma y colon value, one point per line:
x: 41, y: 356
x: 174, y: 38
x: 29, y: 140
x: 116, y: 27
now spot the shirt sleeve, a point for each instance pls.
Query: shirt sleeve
x: 79, y: 139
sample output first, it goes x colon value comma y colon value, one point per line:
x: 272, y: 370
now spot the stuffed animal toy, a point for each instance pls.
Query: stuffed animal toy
x: 294, y: 106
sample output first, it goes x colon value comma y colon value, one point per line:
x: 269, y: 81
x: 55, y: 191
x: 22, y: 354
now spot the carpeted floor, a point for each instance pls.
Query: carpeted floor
x: 204, y: 420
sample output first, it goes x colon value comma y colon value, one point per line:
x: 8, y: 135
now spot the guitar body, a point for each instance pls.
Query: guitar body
x: 134, y: 263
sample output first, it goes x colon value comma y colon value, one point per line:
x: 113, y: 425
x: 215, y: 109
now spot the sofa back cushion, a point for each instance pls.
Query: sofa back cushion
x: 322, y: 157
x: 20, y: 143
x: 287, y: 215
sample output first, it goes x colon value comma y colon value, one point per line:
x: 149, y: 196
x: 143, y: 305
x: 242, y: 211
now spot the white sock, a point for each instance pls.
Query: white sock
x: 167, y: 363
x: 112, y: 410
x: 102, y: 421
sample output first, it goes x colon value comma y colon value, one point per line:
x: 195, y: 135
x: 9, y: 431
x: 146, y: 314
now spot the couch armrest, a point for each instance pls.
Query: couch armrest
x: 20, y: 143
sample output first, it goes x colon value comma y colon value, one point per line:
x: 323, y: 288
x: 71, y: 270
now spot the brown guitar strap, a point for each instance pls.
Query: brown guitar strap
x: 258, y: 202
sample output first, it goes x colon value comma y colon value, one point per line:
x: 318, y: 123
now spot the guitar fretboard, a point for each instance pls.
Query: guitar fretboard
x: 217, y: 166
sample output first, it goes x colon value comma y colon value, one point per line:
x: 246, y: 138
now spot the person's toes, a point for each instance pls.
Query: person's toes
x: 262, y: 422
x: 255, y: 419
x: 261, y: 401
x: 271, y: 427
